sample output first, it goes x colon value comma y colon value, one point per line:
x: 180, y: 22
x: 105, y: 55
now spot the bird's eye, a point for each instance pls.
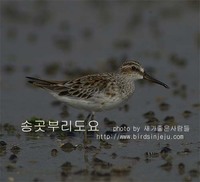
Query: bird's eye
x: 133, y: 68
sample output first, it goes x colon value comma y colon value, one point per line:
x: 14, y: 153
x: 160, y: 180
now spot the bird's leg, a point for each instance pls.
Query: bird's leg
x: 97, y: 132
x: 92, y: 115
x: 85, y: 124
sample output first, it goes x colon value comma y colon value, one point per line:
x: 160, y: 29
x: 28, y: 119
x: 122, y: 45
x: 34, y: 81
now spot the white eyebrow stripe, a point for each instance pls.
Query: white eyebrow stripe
x: 129, y: 63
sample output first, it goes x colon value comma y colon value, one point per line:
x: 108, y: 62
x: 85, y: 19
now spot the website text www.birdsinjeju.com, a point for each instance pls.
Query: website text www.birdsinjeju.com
x: 148, y: 132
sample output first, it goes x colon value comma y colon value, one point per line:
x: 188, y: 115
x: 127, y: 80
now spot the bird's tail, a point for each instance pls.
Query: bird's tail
x: 41, y: 83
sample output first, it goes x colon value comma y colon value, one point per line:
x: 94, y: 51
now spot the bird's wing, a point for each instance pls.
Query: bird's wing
x: 83, y: 87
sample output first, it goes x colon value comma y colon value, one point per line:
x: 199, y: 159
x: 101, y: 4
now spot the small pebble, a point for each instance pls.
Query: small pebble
x: 196, y: 105
x: 194, y: 173
x: 2, y: 148
x: 124, y: 126
x: 164, y: 106
x: 187, y: 114
x: 13, y: 158
x: 153, y: 121
x: 165, y: 150
x: 106, y: 145
x: 169, y: 119
x: 67, y: 166
x: 126, y: 107
x: 68, y: 147
x: 109, y: 123
x: 181, y: 168
x: 186, y: 151
x: 114, y: 155
x: 149, y: 115
x: 15, y: 149
x: 167, y: 166
x: 3, y: 144
x: 54, y: 152
x: 101, y: 163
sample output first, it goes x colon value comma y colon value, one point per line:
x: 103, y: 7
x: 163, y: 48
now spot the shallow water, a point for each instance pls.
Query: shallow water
x: 62, y: 40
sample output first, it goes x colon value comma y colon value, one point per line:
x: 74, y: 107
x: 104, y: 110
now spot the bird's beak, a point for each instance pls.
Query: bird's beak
x: 150, y: 78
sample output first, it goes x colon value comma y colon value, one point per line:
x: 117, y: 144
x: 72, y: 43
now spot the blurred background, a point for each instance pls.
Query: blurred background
x: 58, y: 40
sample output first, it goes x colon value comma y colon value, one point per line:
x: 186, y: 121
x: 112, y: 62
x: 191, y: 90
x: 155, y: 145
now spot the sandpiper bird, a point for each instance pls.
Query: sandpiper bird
x: 97, y: 92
